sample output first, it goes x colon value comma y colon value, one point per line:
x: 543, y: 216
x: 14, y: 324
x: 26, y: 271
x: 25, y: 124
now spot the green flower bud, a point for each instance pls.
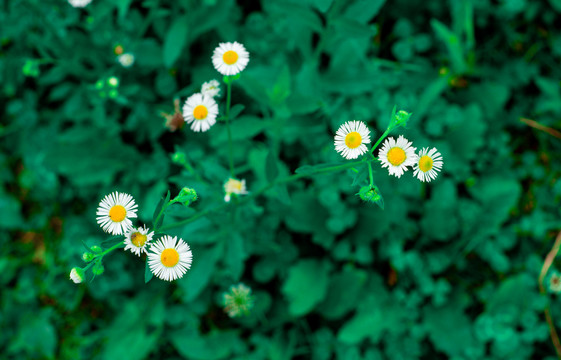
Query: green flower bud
x: 186, y: 196
x: 88, y: 256
x: 371, y: 194
x: 96, y: 249
x: 113, y: 93
x: 99, y: 85
x: 401, y: 118
x: 178, y: 158
x: 31, y: 68
x: 98, y: 268
x: 77, y: 275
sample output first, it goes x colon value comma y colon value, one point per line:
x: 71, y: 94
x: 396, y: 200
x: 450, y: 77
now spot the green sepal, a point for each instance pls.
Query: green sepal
x: 230, y: 79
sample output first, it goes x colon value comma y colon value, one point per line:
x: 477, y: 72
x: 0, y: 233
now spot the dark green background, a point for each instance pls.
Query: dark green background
x: 448, y: 270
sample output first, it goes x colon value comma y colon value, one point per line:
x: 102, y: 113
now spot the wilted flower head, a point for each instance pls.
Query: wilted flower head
x: 238, y: 301
x: 554, y: 282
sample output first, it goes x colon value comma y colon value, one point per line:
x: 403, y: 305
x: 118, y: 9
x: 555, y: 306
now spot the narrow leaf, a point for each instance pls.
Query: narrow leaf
x: 271, y: 167
x: 175, y: 41
x: 147, y: 273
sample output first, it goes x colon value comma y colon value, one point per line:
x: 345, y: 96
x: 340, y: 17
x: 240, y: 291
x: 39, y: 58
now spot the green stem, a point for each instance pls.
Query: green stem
x: 164, y: 207
x: 370, y: 174
x: 116, y: 246
x: 228, y: 101
x: 245, y: 199
x: 388, y: 130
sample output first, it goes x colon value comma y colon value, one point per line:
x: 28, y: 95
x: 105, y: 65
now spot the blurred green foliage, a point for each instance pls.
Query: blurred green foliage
x: 448, y: 270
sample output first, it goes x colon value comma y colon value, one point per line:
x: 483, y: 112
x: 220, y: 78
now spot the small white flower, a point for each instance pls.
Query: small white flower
x: 77, y: 275
x: 200, y: 111
x: 169, y: 258
x: 114, y: 212
x: 397, y: 155
x: 230, y: 58
x: 211, y: 88
x: 126, y: 60
x: 428, y: 164
x: 351, y: 138
x: 79, y: 3
x: 137, y: 240
x: 234, y: 186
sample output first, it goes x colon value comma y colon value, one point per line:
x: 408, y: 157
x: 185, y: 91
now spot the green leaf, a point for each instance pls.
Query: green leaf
x: 148, y: 275
x: 361, y: 175
x: 343, y: 292
x: 163, y: 201
x: 236, y: 110
x: 453, y: 45
x: 271, y: 167
x: 235, y: 248
x: 306, y: 285
x: 175, y: 40
x: 364, y: 11
x: 314, y: 169
x: 197, y: 278
x: 215, y: 345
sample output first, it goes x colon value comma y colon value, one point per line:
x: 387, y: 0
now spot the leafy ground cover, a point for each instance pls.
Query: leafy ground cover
x: 448, y: 269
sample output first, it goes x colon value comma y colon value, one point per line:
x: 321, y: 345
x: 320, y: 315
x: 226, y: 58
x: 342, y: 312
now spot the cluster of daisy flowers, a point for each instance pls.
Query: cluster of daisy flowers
x: 395, y: 155
x: 201, y: 109
x: 168, y: 257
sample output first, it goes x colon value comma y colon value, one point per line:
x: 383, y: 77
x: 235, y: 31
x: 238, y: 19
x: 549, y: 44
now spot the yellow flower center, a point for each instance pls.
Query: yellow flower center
x: 396, y: 156
x: 169, y: 257
x: 425, y: 163
x: 353, y: 140
x: 230, y: 57
x: 200, y: 112
x: 138, y: 239
x: 117, y: 213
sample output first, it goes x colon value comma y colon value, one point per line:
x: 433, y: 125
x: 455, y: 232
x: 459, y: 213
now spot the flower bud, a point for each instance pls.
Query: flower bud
x: 77, y: 275
x: 98, y: 268
x: 96, y: 249
x: 88, y: 256
x: 401, y: 118
x: 186, y: 196
x: 371, y: 194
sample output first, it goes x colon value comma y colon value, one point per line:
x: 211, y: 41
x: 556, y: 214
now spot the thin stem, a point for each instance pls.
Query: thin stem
x: 116, y: 246
x: 370, y: 174
x: 262, y: 190
x: 228, y: 101
x: 545, y: 268
x: 388, y: 130
x: 164, y: 207
x: 537, y: 125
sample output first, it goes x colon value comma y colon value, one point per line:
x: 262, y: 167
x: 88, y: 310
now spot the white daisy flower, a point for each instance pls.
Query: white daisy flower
x: 351, y: 138
x: 126, y: 60
x: 234, y: 186
x: 428, y: 164
x: 79, y: 3
x: 200, y: 111
x: 230, y: 58
x: 397, y: 155
x: 137, y: 240
x: 114, y: 212
x: 211, y: 88
x: 169, y: 258
x: 77, y: 275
